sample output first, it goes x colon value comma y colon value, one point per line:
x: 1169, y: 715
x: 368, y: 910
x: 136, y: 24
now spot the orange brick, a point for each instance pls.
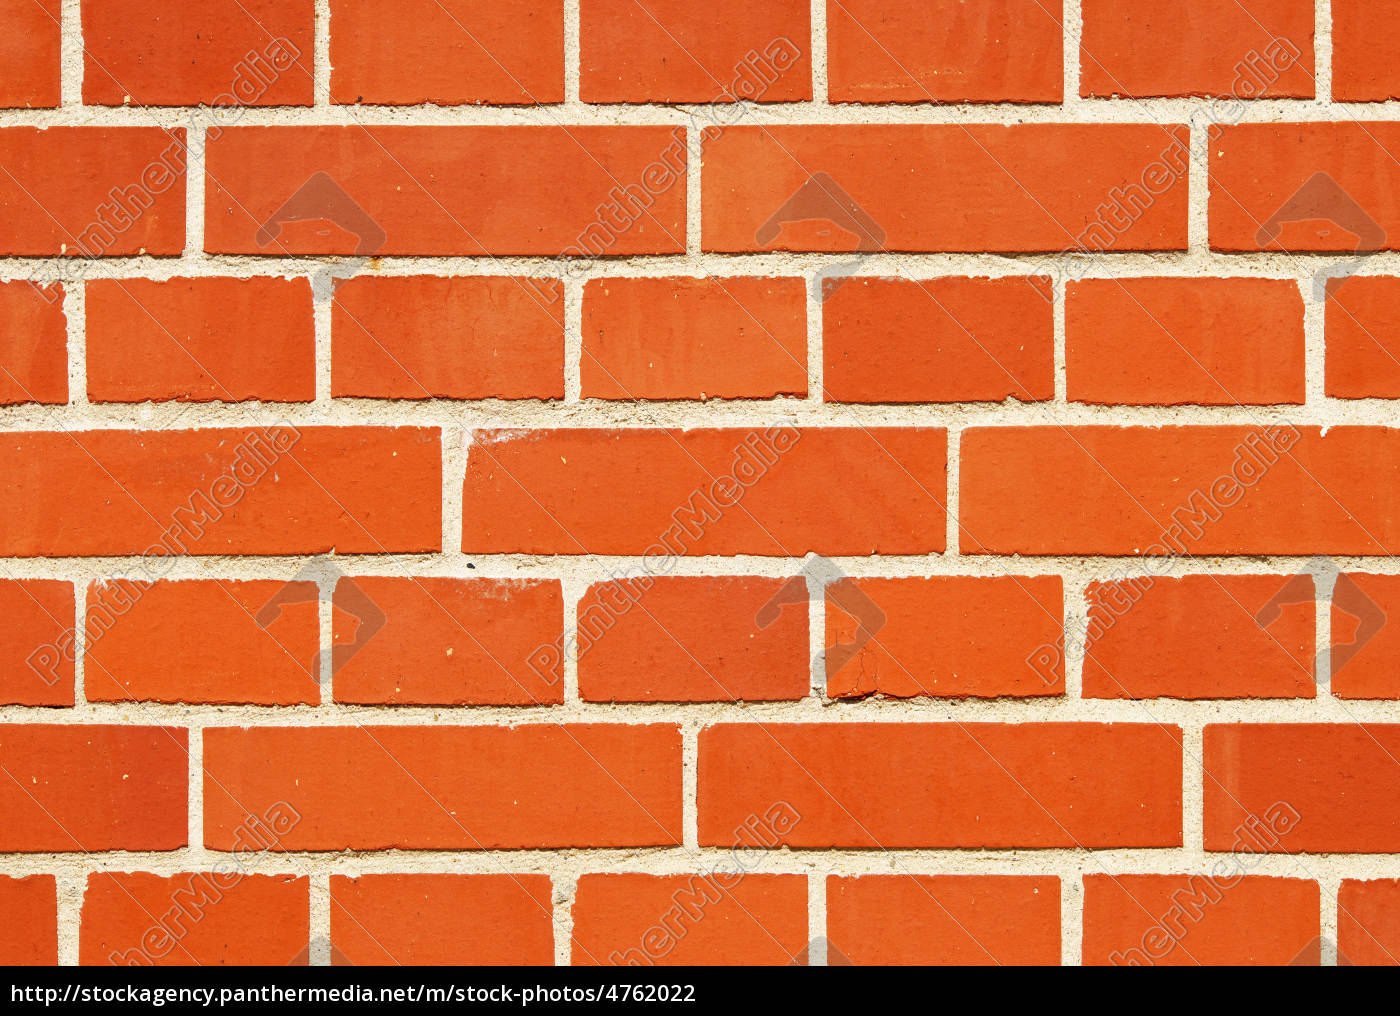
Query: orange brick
x: 678, y: 51
x: 709, y: 919
x: 1368, y: 922
x: 447, y: 52
x: 375, y: 788
x: 694, y: 338
x: 421, y: 337
x: 200, y: 340
x: 1198, y: 920
x: 212, y: 638
x: 29, y: 52
x: 945, y: 50
x: 1363, y: 338
x: 430, y: 641
x: 1226, y: 641
x: 946, y: 637
x: 1214, y: 342
x: 956, y: 785
x: 943, y: 340
x: 37, y: 642
x: 680, y: 639
x: 30, y: 907
x: 93, y: 787
x: 943, y: 920
x: 1365, y: 636
x: 1365, y: 51
x: 33, y: 344
x: 443, y: 920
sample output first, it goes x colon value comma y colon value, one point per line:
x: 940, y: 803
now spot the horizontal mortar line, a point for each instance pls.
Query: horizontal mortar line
x: 1006, y: 711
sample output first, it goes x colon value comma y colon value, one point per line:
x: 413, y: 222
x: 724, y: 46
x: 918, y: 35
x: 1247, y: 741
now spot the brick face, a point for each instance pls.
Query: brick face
x: 908, y: 482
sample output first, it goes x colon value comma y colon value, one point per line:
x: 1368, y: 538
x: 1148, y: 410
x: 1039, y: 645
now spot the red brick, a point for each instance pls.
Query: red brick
x: 1337, y: 781
x: 1368, y: 922
x: 29, y: 53
x: 943, y: 920
x: 421, y: 337
x: 711, y: 919
x: 1244, y: 49
x: 1137, y: 490
x: 1365, y: 52
x: 1171, y: 341
x: 1363, y: 338
x: 429, y: 641
x: 946, y: 637
x: 200, y: 340
x: 694, y: 338
x: 945, y: 50
x: 942, y: 340
x: 544, y: 190
x: 33, y: 344
x: 1198, y: 920
x: 357, y: 489
x: 680, y: 639
x: 93, y: 787
x: 374, y: 788
x: 30, y: 907
x: 36, y: 642
x: 680, y: 51
x: 576, y: 491
x: 897, y: 785
x: 217, y: 52
x: 1364, y: 639
x: 943, y: 187
x: 92, y: 191
x: 205, y: 918
x: 443, y: 920
x: 448, y: 52
x: 211, y: 638
x: 1354, y: 205
x: 1219, y: 647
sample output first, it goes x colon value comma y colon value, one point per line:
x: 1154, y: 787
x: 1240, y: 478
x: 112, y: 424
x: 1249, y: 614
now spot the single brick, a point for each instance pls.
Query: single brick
x: 92, y: 191
x: 447, y: 52
x: 29, y: 53
x: 1199, y: 920
x: 200, y: 340
x: 93, y: 787
x: 945, y: 50
x: 1363, y: 337
x: 443, y: 920
x: 1368, y: 922
x: 679, y: 51
x: 1330, y: 187
x: 542, y: 190
x: 1266, y: 489
x: 37, y: 642
x: 710, y: 919
x: 30, y: 907
x: 943, y: 920
x: 941, y: 340
x: 277, y: 490
x: 203, y: 918
x: 694, y: 338
x: 217, y: 52
x: 215, y: 641
x: 1330, y: 786
x: 422, y: 337
x: 1242, y: 49
x: 1171, y: 341
x: 944, y: 187
x: 374, y: 788
x: 683, y: 639
x: 957, y: 785
x: 774, y: 491
x: 1231, y: 636
x: 945, y: 637
x: 1365, y: 636
x: 33, y: 344
x: 1365, y: 51
x: 431, y: 641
